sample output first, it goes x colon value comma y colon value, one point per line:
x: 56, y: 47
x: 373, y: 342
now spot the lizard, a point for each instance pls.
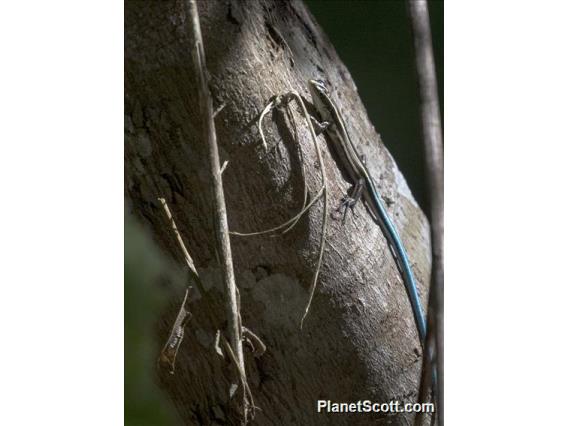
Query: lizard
x: 333, y: 125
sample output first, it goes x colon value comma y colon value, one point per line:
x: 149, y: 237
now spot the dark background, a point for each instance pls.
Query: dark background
x: 374, y: 40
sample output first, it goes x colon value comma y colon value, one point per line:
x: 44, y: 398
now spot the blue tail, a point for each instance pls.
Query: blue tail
x: 402, y: 262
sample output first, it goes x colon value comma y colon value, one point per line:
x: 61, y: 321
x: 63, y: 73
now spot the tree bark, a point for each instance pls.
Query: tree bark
x: 359, y: 341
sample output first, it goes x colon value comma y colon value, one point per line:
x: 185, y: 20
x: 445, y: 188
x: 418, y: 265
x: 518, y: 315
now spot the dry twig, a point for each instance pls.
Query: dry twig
x: 220, y: 212
x: 434, y: 150
x: 289, y: 224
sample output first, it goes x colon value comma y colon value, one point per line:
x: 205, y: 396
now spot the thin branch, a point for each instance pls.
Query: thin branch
x: 220, y: 212
x: 434, y: 150
x: 169, y: 352
x: 289, y: 224
x: 428, y: 373
x: 186, y: 255
x: 250, y: 404
x: 265, y: 111
x: 292, y: 121
x: 325, y: 208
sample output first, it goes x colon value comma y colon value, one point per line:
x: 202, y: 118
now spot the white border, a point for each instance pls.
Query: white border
x: 506, y: 211
x: 61, y: 224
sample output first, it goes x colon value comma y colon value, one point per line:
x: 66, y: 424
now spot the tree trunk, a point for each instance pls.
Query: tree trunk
x: 359, y: 340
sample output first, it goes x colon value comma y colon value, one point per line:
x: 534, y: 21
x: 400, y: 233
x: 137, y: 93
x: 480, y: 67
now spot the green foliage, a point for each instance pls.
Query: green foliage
x: 145, y: 272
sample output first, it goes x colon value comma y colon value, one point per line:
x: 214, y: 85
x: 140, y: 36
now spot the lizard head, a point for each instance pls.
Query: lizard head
x: 318, y: 85
x: 320, y: 98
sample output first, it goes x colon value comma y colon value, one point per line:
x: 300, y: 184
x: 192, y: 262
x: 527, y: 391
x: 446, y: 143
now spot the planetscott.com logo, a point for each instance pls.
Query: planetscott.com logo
x: 367, y: 406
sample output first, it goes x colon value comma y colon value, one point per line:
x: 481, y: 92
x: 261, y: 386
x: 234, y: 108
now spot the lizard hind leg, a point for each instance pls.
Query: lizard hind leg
x: 350, y: 201
x: 347, y: 203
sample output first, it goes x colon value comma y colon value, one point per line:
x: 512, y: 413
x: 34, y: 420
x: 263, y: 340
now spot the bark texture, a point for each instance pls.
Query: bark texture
x: 359, y: 340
